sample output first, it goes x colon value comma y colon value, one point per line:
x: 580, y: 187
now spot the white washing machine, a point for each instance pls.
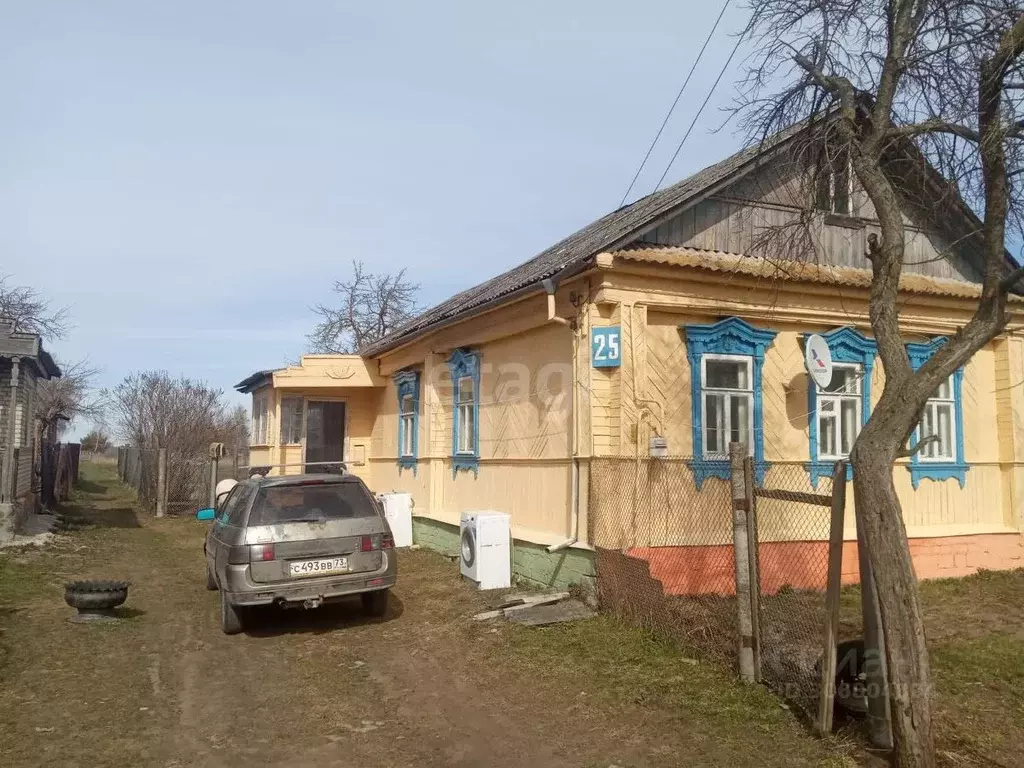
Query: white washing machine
x: 486, y: 555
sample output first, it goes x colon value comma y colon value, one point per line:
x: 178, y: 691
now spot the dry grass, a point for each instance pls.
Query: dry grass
x: 426, y: 686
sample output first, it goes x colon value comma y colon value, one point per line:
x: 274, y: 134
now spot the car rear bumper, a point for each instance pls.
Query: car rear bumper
x: 243, y: 591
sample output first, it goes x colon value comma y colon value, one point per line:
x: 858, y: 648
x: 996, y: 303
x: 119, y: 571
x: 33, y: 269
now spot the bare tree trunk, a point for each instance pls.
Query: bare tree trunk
x: 880, y: 514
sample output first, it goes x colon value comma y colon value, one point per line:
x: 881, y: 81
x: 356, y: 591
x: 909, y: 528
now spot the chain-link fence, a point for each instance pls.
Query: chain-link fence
x: 187, y: 477
x: 188, y: 481
x: 664, y: 545
x: 663, y: 529
x: 792, y: 522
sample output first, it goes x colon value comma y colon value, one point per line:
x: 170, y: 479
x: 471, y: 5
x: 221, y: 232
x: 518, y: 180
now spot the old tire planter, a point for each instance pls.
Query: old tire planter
x: 95, y: 599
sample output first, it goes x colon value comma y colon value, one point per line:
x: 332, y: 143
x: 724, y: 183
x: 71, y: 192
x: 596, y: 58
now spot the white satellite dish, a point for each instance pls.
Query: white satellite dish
x: 818, y: 359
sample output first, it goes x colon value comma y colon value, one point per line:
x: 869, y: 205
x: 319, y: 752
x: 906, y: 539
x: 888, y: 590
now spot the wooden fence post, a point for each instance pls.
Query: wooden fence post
x: 876, y: 668
x: 753, y: 564
x: 834, y: 584
x: 741, y: 555
x: 213, y: 483
x: 161, y: 482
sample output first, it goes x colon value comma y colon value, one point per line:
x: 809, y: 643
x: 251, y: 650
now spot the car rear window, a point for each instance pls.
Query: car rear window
x: 312, y: 503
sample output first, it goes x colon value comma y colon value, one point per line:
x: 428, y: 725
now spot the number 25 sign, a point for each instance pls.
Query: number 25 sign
x: 605, y: 347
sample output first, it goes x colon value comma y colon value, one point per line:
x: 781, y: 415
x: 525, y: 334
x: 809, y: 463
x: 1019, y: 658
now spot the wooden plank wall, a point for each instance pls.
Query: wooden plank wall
x: 736, y: 218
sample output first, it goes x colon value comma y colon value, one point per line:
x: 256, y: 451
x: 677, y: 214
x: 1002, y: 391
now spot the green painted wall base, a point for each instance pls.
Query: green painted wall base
x: 532, y: 564
x: 435, y: 535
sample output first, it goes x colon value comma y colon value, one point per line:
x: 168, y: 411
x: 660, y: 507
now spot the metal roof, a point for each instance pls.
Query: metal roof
x: 254, y: 381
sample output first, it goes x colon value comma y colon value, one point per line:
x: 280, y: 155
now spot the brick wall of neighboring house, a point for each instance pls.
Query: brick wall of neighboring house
x: 708, y: 570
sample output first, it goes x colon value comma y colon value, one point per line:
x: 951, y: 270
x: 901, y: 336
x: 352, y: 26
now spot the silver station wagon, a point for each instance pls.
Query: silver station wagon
x: 299, y: 541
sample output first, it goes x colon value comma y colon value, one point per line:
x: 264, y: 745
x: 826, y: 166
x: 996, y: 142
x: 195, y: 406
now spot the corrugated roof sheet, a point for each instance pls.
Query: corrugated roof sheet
x: 795, y: 271
x: 253, y: 381
x: 578, y: 248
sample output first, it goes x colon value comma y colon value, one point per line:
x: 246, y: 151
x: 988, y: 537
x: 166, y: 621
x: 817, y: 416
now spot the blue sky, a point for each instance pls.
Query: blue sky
x: 190, y: 177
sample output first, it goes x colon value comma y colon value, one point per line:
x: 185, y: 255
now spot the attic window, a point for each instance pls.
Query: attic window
x: 834, y: 183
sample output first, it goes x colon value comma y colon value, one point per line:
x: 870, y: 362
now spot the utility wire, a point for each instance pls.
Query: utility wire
x: 679, y: 148
x: 674, y: 104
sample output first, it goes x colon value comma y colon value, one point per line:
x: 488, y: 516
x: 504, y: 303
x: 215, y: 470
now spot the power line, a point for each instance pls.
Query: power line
x: 674, y: 104
x: 718, y: 79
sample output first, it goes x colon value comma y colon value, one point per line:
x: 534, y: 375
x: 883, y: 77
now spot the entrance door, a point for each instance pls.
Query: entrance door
x: 325, y: 435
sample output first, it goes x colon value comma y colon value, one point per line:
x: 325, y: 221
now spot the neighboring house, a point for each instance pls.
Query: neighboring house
x: 23, y: 363
x: 652, y: 321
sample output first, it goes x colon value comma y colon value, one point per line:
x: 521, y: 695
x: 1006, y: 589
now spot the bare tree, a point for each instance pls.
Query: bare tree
x: 97, y: 441
x: 72, y: 395
x: 233, y: 428
x: 909, y: 90
x: 30, y: 311
x: 152, y: 409
x: 371, y: 306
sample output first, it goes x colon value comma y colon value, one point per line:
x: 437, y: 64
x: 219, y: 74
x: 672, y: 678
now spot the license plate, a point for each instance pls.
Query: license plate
x: 323, y: 567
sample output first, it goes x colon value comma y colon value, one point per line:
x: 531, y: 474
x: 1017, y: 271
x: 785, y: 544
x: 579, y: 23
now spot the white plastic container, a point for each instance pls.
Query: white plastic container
x: 398, y: 512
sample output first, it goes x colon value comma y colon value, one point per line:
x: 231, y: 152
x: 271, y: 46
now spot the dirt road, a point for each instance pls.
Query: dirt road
x: 426, y: 686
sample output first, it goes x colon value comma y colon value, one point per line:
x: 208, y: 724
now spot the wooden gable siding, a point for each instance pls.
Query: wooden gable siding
x: 734, y: 219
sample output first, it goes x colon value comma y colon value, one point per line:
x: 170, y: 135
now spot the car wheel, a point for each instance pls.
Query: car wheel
x: 375, y: 603
x: 230, y: 616
x: 211, y: 583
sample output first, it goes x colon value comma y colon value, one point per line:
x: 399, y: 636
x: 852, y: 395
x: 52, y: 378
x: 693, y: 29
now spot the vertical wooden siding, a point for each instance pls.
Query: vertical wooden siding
x: 772, y: 197
x: 989, y: 501
x: 525, y: 431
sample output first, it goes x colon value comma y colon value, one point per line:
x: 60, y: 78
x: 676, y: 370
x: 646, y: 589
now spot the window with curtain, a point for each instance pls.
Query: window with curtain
x: 259, y: 419
x: 938, y: 421
x: 407, y: 385
x: 407, y: 426
x: 942, y: 419
x: 464, y: 367
x: 467, y: 417
x: 726, y: 359
x: 839, y: 412
x: 727, y: 393
x: 291, y: 420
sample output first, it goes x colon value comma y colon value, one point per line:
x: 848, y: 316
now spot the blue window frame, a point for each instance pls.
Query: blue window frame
x: 943, y: 416
x: 408, y: 385
x: 464, y: 366
x: 835, y: 415
x: 726, y: 359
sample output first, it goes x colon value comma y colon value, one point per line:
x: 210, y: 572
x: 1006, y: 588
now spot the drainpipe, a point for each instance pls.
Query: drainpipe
x: 551, y: 286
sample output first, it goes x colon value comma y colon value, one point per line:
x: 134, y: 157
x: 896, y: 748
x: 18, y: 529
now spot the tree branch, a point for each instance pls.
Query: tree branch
x: 934, y: 125
x: 906, y: 453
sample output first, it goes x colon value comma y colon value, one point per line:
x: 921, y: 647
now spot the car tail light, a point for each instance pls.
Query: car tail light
x: 375, y: 542
x: 261, y: 553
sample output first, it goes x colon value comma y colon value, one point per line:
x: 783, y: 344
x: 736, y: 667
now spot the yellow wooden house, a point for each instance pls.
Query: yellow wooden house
x: 543, y: 392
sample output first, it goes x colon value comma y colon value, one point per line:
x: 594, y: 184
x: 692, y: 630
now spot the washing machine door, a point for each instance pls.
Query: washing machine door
x: 468, y: 547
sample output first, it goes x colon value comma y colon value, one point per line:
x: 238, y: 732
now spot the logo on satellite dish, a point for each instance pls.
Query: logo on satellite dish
x: 818, y: 359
